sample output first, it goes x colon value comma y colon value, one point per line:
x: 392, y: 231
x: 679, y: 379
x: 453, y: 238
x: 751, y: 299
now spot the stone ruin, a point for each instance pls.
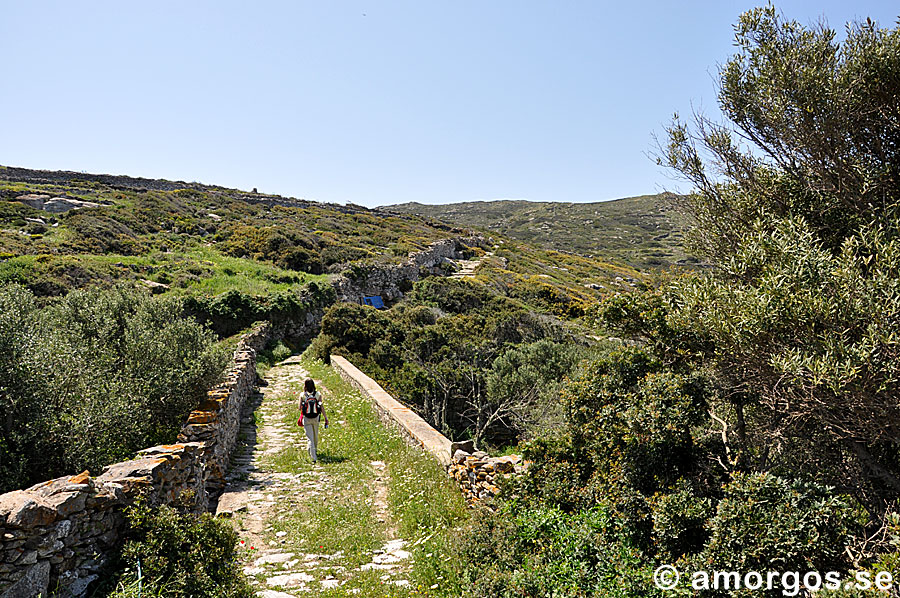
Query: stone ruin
x: 479, y: 474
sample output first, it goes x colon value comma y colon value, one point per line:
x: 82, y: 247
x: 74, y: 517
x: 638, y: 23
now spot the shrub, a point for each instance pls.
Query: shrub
x: 93, y: 377
x: 542, y: 551
x: 353, y: 330
x: 765, y: 522
x: 333, y: 255
x: 232, y: 311
x: 679, y: 524
x: 451, y: 295
x: 281, y: 352
x: 178, y: 556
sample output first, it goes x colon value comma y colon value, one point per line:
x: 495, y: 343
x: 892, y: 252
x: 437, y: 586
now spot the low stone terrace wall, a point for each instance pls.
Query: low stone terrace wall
x: 476, y: 473
x: 57, y: 535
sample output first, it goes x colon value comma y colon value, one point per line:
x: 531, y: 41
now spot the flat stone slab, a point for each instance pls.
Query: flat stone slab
x: 291, y: 579
x: 391, y: 557
x: 278, y: 557
x: 274, y: 594
x: 232, y: 502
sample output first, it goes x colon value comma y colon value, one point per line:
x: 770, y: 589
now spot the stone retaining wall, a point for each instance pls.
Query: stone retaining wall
x: 477, y: 474
x: 216, y: 422
x: 59, y: 534
x: 388, y: 281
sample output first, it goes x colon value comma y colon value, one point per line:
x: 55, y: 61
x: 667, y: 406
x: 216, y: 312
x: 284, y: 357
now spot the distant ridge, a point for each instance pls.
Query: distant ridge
x: 644, y: 231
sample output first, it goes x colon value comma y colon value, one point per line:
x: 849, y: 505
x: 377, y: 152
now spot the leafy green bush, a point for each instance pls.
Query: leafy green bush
x: 281, y: 352
x: 286, y: 248
x: 451, y: 295
x: 232, y: 311
x: 352, y: 329
x: 528, y: 378
x: 679, y: 523
x: 539, y: 551
x: 764, y: 522
x: 177, y: 556
x: 93, y: 377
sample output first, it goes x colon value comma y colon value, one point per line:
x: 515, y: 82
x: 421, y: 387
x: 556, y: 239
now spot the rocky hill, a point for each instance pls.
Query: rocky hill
x: 644, y: 231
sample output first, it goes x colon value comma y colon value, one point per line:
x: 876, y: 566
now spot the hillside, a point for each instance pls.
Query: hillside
x: 64, y: 230
x: 643, y: 232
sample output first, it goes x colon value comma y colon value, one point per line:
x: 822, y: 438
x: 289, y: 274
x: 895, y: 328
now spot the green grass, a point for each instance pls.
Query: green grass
x: 424, y: 505
x: 185, y: 239
x: 196, y: 270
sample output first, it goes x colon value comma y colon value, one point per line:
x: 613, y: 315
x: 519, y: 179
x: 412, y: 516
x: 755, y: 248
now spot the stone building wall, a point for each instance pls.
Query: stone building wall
x: 60, y: 533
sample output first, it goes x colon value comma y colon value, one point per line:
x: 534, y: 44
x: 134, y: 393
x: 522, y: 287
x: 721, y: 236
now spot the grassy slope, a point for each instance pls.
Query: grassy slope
x: 207, y: 240
x: 641, y: 231
x: 199, y: 269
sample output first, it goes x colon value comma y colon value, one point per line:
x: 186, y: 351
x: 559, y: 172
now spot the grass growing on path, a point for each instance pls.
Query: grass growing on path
x: 343, y: 513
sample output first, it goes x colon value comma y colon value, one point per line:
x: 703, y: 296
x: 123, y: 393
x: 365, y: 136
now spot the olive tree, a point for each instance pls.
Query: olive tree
x: 795, y: 203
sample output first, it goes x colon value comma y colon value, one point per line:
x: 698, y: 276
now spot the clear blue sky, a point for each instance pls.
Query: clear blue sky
x: 373, y: 102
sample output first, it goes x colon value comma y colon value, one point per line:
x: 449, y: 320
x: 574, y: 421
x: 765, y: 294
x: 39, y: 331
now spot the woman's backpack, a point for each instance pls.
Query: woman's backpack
x: 311, y: 405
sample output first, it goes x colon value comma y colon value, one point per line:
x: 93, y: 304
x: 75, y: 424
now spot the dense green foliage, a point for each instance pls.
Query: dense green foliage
x: 234, y: 310
x: 544, y: 551
x: 803, y: 312
x: 90, y: 378
x: 474, y: 362
x: 752, y: 424
x: 177, y: 555
x: 640, y: 231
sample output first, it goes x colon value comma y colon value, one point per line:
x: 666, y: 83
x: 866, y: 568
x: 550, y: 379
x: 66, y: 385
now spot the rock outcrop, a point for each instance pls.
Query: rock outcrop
x: 56, y: 205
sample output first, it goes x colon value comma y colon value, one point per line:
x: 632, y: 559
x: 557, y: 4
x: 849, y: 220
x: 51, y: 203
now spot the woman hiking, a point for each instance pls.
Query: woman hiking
x: 310, y: 409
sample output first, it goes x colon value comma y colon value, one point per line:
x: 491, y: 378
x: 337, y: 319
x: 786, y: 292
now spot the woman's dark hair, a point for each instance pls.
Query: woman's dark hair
x: 309, y: 386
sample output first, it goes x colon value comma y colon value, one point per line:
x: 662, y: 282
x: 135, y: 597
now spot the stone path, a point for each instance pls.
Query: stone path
x: 467, y: 267
x: 271, y: 482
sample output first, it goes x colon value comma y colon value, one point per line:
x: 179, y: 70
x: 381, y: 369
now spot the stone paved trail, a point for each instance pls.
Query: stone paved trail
x: 285, y: 509
x: 467, y: 267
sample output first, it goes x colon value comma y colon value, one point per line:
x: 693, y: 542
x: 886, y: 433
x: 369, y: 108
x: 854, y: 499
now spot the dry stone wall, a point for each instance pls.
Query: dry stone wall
x: 59, y: 534
x: 216, y: 422
x: 477, y: 474
x: 388, y: 281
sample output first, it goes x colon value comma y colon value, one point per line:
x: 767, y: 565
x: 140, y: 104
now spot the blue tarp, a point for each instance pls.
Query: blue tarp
x: 375, y: 301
